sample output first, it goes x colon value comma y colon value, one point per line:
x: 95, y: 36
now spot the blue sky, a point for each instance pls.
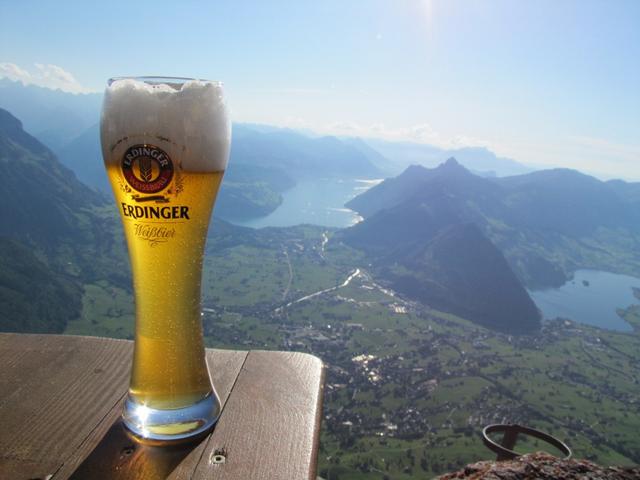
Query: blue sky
x: 543, y: 82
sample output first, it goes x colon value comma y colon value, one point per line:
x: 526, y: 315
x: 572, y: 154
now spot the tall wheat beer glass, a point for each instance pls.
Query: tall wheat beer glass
x: 165, y: 143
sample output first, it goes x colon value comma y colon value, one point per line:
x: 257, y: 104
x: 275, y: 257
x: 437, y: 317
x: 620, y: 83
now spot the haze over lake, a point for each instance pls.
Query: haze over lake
x: 591, y: 297
x: 319, y: 202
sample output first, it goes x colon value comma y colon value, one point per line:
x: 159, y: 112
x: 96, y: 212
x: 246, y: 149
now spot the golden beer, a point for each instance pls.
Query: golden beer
x: 169, y: 370
x: 165, y: 152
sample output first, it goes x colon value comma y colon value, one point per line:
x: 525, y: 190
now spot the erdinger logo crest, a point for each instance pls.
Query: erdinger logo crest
x: 147, y: 168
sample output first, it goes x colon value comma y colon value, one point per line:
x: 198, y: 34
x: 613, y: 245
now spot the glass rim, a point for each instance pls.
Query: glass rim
x: 158, y: 80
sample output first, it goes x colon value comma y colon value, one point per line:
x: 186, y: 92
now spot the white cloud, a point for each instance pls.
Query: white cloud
x: 14, y: 72
x: 44, y: 75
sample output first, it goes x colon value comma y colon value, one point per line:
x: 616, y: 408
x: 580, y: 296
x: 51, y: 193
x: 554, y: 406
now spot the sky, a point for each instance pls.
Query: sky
x: 545, y: 82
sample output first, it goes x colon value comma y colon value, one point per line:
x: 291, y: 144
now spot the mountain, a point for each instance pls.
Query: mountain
x: 460, y: 271
x: 53, y: 226
x: 83, y: 156
x: 40, y: 199
x: 389, y: 232
x: 547, y: 223
x: 431, y: 247
x: 449, y: 179
x: 53, y: 116
x: 481, y: 160
x: 627, y: 191
x: 250, y: 191
x: 567, y: 202
x: 561, y: 201
x: 33, y: 297
x: 382, y: 163
x: 477, y: 159
x: 302, y: 157
x: 558, y: 201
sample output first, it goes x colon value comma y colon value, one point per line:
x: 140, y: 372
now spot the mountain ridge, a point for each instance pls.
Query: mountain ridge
x: 55, y: 227
x: 547, y: 223
x: 55, y: 117
x: 460, y: 271
x: 544, y: 225
x: 479, y: 159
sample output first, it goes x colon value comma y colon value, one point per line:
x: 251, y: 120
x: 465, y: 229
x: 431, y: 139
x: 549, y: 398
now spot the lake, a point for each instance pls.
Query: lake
x: 319, y: 202
x: 591, y: 297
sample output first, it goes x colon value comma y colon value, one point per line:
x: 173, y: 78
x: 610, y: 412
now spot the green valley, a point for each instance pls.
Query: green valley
x: 409, y: 385
x: 408, y: 388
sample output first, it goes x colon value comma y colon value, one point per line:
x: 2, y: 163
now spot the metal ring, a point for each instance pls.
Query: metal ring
x: 506, y: 453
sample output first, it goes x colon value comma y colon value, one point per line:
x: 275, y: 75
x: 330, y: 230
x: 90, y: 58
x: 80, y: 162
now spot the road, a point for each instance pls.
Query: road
x: 286, y: 290
x: 351, y: 276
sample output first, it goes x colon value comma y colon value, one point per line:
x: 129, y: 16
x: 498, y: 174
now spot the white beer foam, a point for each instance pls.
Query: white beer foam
x: 191, y: 115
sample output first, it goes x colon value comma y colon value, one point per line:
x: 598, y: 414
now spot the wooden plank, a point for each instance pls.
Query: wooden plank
x: 110, y: 453
x: 224, y: 374
x: 60, y: 401
x: 270, y: 427
x: 53, y: 391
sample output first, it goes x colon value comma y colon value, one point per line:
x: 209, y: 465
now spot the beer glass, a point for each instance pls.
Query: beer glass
x: 165, y: 143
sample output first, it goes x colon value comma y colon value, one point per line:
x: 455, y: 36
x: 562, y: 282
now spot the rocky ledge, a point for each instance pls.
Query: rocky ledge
x: 542, y: 466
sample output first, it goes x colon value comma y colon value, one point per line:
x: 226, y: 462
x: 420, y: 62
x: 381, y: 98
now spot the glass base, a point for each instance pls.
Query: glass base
x: 174, y: 424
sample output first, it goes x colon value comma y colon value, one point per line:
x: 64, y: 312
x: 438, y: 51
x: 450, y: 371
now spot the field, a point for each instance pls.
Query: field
x: 408, y: 388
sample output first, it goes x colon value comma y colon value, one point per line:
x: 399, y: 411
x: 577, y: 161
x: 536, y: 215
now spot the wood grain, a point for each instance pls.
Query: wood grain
x: 60, y: 403
x: 224, y: 370
x: 270, y: 426
x: 111, y: 453
x: 53, y: 391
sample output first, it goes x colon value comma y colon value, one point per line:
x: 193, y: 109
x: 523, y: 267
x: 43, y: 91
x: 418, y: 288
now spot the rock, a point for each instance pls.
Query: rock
x: 542, y: 466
